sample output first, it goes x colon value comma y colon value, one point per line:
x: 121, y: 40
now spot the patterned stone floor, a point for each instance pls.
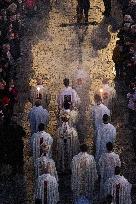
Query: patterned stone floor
x: 53, y: 47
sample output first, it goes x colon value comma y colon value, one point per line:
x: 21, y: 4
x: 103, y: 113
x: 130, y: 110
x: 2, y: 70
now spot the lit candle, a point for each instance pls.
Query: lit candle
x: 101, y: 91
x: 38, y: 89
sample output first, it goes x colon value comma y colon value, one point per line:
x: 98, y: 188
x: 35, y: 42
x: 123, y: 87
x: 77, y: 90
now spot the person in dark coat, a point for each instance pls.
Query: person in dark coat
x: 107, y: 4
x: 14, y: 134
x: 82, y: 10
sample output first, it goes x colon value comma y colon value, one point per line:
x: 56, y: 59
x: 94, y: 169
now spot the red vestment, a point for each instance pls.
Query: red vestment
x: 30, y: 4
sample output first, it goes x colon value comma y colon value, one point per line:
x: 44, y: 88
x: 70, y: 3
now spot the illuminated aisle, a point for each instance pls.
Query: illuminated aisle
x: 53, y: 48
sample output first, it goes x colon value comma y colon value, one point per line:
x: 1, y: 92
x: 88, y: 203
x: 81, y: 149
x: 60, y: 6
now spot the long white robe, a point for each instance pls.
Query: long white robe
x: 36, y: 116
x: 38, y: 139
x: 106, y: 133
x: 67, y: 146
x: 97, y: 113
x: 119, y: 188
x: 47, y: 189
x: 43, y: 92
x: 84, y: 175
x: 65, y: 92
x: 46, y: 162
x: 107, y: 164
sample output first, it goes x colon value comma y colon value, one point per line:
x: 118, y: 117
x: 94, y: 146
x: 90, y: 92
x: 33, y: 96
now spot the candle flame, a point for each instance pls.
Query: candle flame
x: 101, y: 90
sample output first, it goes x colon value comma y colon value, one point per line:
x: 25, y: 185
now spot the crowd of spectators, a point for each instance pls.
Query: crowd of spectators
x: 11, y: 144
x: 10, y: 33
x: 124, y: 55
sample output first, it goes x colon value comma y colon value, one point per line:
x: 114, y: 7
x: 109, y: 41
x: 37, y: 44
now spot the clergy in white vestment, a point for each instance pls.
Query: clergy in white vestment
x: 67, y: 96
x: 41, y: 92
x: 72, y: 114
x: 107, y: 163
x: 47, y: 188
x: 119, y: 187
x: 45, y: 162
x: 105, y: 133
x: 38, y: 140
x: 107, y: 93
x: 37, y: 115
x: 84, y: 174
x: 67, y: 144
x: 81, y: 83
x: 98, y: 111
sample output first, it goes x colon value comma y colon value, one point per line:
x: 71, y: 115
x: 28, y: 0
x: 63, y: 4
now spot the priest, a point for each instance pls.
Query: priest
x: 81, y: 82
x: 45, y: 162
x: 41, y: 138
x: 41, y: 92
x: 37, y: 115
x: 67, y: 144
x: 84, y: 174
x: 105, y: 133
x: 47, y: 188
x: 72, y: 114
x: 107, y: 163
x: 67, y: 96
x: 119, y: 187
x: 98, y: 111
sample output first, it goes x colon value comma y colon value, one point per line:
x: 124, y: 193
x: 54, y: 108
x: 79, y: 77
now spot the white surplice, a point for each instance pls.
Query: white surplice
x: 67, y: 145
x: 106, y: 133
x: 46, y: 162
x: 97, y: 114
x: 107, y: 164
x: 38, y: 139
x: 65, y: 92
x: 42, y: 91
x: 36, y: 116
x: 119, y: 187
x: 47, y: 189
x: 84, y: 175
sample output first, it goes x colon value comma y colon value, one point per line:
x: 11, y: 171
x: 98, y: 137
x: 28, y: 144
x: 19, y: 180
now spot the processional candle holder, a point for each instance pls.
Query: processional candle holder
x: 39, y: 95
x: 101, y: 93
x: 38, y: 90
